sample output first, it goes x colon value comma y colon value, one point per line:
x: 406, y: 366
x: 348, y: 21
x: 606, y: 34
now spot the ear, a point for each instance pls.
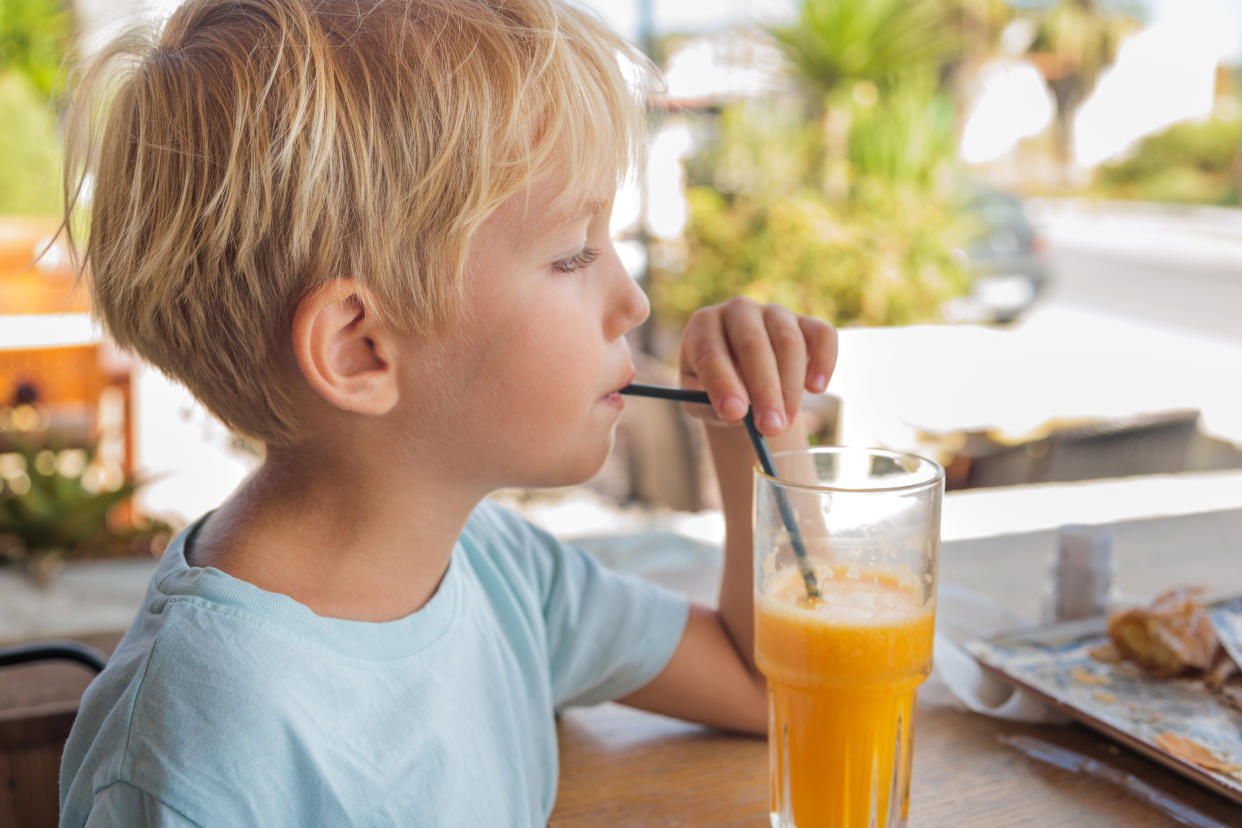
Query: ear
x: 343, y: 351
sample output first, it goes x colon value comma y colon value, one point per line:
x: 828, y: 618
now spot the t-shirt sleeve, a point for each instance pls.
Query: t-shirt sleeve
x: 608, y: 633
x: 123, y: 804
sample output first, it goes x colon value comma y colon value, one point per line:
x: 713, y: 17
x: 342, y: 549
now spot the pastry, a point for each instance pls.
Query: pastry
x: 1172, y: 637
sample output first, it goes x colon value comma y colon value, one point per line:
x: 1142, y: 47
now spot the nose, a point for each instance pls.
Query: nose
x: 628, y: 306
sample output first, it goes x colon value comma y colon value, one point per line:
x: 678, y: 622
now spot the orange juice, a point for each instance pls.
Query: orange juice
x: 842, y: 673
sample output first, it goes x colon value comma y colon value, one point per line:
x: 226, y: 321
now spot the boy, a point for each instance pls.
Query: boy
x: 376, y: 237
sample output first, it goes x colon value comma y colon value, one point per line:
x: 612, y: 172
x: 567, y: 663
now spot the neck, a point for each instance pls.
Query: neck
x: 355, y: 540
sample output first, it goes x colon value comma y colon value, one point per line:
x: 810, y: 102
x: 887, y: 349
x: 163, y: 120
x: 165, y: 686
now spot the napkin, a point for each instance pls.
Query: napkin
x: 962, y: 614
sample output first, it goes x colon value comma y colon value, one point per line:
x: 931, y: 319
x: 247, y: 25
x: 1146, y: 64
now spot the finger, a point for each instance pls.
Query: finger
x: 753, y: 354
x: 789, y: 345
x: 707, y: 352
x: 821, y: 352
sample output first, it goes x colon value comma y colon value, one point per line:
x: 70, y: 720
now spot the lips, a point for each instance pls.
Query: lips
x: 629, y: 377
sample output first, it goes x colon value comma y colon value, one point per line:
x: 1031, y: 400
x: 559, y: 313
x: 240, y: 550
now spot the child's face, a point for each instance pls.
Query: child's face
x: 541, y: 348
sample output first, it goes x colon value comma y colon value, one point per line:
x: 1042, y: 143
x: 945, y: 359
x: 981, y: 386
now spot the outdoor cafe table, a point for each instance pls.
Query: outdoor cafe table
x: 621, y: 767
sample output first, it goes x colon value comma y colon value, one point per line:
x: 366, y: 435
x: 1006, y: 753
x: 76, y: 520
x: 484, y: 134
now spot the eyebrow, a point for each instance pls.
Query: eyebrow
x: 590, y: 208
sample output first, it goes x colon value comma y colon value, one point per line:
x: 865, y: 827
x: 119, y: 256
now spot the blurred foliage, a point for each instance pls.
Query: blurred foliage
x: 55, y: 515
x: 33, y: 37
x: 881, y: 258
x: 909, y: 137
x: 838, y: 42
x: 1082, y: 35
x: 980, y: 23
x: 30, y: 149
x: 836, y: 201
x: 1196, y: 163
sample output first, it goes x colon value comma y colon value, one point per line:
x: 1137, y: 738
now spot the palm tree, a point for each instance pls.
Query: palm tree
x: 855, y: 53
x: 1074, y: 42
x: 834, y: 43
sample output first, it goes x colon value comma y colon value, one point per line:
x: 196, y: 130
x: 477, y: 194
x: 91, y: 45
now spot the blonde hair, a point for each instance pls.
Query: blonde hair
x: 255, y: 149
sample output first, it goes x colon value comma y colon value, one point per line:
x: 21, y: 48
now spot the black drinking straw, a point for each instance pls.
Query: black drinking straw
x: 662, y: 392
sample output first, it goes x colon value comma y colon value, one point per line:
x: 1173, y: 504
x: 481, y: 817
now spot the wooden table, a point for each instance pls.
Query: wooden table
x: 622, y: 767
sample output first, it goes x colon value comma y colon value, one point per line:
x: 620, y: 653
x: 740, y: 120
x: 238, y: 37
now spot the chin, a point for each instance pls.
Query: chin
x: 583, y: 470
x: 575, y: 468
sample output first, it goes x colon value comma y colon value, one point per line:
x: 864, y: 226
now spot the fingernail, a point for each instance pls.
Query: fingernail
x: 819, y: 382
x: 733, y: 408
x: 772, y: 421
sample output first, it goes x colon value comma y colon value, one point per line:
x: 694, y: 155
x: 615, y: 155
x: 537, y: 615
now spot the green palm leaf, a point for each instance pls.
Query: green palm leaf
x: 835, y: 42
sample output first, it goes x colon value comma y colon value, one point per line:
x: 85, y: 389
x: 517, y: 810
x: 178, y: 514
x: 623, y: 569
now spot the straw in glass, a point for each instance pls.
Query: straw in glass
x: 765, y: 462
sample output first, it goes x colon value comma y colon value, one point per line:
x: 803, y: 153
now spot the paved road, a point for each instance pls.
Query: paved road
x: 1185, y: 295
x: 1175, y: 269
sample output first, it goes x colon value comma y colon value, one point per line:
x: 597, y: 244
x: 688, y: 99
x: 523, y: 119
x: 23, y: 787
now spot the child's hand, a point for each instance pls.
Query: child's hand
x: 743, y: 353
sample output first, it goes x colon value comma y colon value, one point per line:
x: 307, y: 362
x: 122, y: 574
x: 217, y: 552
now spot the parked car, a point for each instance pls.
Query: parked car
x: 1006, y: 258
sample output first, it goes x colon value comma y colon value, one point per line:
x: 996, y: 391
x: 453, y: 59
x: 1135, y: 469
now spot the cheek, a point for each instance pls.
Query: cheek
x: 554, y: 348
x: 573, y: 358
x: 536, y: 376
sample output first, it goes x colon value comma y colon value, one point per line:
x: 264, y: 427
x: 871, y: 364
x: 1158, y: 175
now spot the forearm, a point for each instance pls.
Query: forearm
x: 742, y: 354
x: 734, y: 461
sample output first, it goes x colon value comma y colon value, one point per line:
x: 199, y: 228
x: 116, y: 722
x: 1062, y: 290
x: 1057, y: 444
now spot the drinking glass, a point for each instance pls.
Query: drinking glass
x: 843, y: 668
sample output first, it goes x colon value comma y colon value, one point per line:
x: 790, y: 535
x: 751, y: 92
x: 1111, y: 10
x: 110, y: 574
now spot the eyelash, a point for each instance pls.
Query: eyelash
x: 579, y: 260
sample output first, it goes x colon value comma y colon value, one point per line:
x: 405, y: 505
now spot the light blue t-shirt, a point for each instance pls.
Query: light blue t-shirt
x: 229, y: 705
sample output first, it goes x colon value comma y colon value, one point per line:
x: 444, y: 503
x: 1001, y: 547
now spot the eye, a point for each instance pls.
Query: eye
x: 579, y: 260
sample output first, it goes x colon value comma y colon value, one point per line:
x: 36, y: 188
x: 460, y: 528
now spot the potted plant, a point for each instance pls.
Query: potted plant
x: 51, y: 511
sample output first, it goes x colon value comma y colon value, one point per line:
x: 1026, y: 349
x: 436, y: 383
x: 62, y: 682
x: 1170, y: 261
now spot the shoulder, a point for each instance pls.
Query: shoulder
x: 121, y: 803
x: 112, y: 735
x: 179, y: 715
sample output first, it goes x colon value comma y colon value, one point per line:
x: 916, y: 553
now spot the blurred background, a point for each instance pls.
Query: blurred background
x: 1025, y: 217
